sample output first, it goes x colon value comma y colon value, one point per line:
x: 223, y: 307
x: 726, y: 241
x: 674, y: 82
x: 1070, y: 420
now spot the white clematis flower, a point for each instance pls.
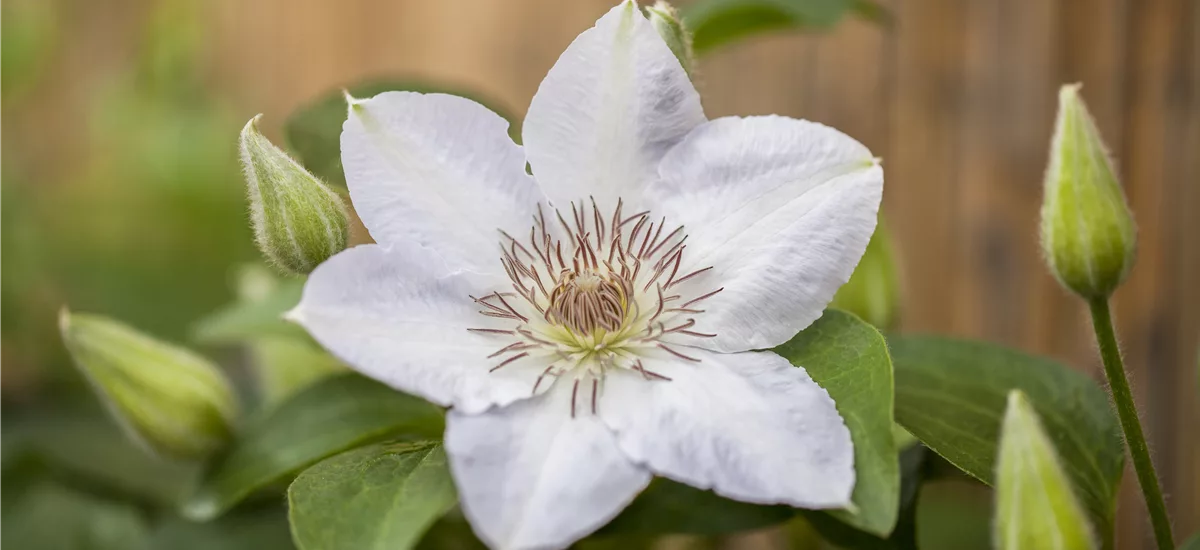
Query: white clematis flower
x: 591, y: 325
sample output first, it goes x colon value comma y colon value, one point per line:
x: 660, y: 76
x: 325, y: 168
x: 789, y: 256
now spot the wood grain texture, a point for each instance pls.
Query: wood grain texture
x: 957, y: 96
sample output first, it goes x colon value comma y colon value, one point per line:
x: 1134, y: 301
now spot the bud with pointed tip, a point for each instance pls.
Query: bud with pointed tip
x: 873, y: 291
x: 1035, y: 505
x: 168, y: 398
x: 670, y: 27
x: 298, y: 221
x: 1088, y: 234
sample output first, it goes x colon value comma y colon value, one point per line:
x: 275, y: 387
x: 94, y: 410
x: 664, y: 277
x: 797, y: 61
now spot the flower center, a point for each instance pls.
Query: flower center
x: 604, y: 292
x: 587, y: 302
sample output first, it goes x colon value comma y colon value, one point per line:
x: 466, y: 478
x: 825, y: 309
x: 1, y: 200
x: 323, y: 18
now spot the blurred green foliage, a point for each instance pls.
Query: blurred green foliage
x: 134, y: 208
x: 121, y: 195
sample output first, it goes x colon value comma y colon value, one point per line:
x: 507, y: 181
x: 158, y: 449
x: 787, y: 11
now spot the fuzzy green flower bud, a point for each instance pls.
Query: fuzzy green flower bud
x: 670, y: 27
x: 873, y: 292
x: 169, y: 399
x: 298, y: 221
x: 1088, y: 234
x: 1035, y: 505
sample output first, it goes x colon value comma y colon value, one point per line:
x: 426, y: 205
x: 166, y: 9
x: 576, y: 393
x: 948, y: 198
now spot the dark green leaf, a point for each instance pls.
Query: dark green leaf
x: 314, y: 132
x: 382, y: 496
x: 258, y: 529
x: 954, y: 514
x: 670, y: 507
x: 324, y: 419
x: 247, y: 319
x: 849, y: 358
x: 82, y: 443
x: 951, y: 394
x: 451, y: 532
x: 1192, y: 543
x: 903, y: 537
x: 718, y: 22
x: 52, y: 517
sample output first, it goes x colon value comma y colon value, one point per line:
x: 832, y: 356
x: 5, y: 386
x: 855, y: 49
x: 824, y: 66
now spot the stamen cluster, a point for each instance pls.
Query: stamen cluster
x: 614, y: 295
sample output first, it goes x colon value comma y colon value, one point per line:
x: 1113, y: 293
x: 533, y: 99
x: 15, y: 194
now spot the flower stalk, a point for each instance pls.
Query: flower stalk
x: 1118, y: 383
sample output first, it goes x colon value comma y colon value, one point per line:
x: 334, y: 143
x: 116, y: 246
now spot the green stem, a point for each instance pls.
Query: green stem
x: 1114, y: 369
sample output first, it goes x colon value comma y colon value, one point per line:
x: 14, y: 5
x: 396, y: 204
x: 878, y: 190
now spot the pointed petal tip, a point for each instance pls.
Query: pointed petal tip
x: 352, y: 103
x: 294, y: 315
x: 64, y: 318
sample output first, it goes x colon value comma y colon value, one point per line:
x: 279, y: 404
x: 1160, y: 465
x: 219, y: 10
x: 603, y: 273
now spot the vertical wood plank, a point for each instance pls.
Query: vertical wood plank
x: 922, y: 166
x: 1005, y: 129
x: 1148, y: 307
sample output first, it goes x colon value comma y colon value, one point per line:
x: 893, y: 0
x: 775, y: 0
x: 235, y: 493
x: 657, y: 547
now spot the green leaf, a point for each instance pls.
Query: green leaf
x: 1192, y: 543
x: 849, y: 358
x: 82, y: 443
x: 314, y: 132
x: 324, y: 419
x: 451, y: 532
x: 256, y: 529
x: 718, y: 22
x: 951, y: 394
x: 246, y: 319
x: 382, y: 496
x: 52, y: 517
x: 914, y: 471
x: 669, y: 507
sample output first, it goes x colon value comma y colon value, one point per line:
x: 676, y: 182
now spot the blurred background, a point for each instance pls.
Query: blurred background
x: 122, y: 193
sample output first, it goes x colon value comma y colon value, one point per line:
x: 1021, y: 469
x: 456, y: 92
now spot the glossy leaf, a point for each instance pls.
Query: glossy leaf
x: 314, y: 132
x: 951, y: 394
x: 381, y: 496
x: 669, y: 507
x: 718, y: 22
x: 324, y: 419
x: 849, y: 358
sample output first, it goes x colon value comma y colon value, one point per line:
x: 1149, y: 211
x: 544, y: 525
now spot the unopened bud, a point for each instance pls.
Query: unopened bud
x: 1035, y: 505
x: 669, y: 25
x: 873, y: 292
x: 298, y: 221
x: 1088, y: 234
x: 168, y: 398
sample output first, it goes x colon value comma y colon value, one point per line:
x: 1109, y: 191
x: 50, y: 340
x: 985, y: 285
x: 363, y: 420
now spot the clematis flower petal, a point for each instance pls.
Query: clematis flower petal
x: 439, y: 170
x: 611, y: 106
x: 782, y: 209
x: 530, y: 475
x: 400, y: 316
x: 749, y: 425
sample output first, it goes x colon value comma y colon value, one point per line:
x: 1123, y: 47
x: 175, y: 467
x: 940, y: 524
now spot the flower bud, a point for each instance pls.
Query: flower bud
x: 168, y: 398
x: 670, y: 27
x: 873, y: 292
x: 1034, y: 501
x: 1088, y: 234
x: 298, y: 221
